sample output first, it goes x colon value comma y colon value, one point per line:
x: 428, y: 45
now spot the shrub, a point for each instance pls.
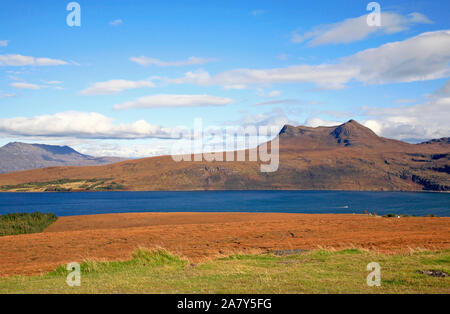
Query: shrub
x: 20, y: 223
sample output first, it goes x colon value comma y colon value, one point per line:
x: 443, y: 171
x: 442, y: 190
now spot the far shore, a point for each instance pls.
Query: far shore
x: 225, y: 190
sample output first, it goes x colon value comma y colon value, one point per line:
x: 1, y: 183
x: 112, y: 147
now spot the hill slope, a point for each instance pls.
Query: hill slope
x: 20, y: 156
x: 345, y: 157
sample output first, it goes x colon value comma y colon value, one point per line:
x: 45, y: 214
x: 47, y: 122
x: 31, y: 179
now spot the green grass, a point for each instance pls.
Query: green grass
x: 12, y: 224
x: 113, y: 186
x: 38, y: 184
x: 311, y: 272
x: 55, y: 186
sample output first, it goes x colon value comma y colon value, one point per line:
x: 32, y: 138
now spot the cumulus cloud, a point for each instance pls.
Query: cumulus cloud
x: 411, y: 123
x: 143, y: 60
x: 114, y: 86
x: 23, y: 85
x: 355, y: 29
x: 84, y: 125
x: 19, y: 60
x: 4, y: 43
x: 407, y: 122
x: 420, y: 58
x: 423, y: 57
x: 164, y: 100
x: 415, y: 122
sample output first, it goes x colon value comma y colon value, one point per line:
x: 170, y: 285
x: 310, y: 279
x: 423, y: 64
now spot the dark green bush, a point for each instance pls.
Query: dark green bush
x: 13, y: 224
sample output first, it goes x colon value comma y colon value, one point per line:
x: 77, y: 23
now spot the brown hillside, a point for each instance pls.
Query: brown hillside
x: 346, y: 157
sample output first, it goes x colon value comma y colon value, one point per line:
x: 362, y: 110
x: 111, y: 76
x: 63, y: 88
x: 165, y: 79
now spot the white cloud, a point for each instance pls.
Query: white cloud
x: 130, y: 149
x: 415, y: 122
x: 332, y: 76
x: 416, y: 17
x: 354, y: 29
x: 411, y: 123
x: 315, y: 122
x: 74, y: 124
x: 420, y: 58
x: 164, y: 100
x: 153, y: 61
x: 4, y: 43
x: 325, y: 76
x: 114, y: 86
x: 19, y: 60
x: 116, y: 22
x: 423, y: 57
x: 23, y: 85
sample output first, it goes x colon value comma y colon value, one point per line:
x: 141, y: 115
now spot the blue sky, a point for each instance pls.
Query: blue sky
x: 134, y: 70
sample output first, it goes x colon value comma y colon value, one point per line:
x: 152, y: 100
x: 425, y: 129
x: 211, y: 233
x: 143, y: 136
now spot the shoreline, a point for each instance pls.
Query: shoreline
x: 403, y: 216
x: 236, y: 190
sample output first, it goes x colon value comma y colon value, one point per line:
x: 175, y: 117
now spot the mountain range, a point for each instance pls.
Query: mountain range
x: 21, y: 156
x: 345, y: 157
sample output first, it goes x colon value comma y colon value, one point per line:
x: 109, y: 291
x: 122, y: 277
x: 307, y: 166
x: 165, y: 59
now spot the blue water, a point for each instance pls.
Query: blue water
x: 85, y: 203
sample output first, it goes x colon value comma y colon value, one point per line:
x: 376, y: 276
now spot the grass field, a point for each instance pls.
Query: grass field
x: 65, y: 185
x: 318, y: 271
x: 13, y: 224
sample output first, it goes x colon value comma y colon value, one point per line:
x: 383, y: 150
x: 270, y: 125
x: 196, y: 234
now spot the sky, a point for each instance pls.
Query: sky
x: 134, y: 71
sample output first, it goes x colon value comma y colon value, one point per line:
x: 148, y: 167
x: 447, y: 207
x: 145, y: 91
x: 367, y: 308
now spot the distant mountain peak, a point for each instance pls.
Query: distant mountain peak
x: 56, y: 149
x: 353, y: 129
x: 15, y: 144
x: 350, y: 133
x: 288, y: 129
x: 53, y: 149
x: 442, y: 140
x: 17, y: 156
